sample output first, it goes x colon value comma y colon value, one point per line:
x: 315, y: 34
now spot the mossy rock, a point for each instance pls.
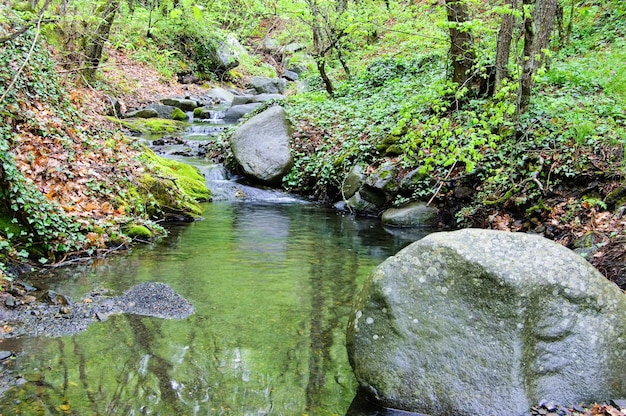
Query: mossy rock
x: 179, y: 115
x: 175, y: 186
x: 152, y: 125
x: 387, y: 142
x: 141, y: 232
x: 616, y: 197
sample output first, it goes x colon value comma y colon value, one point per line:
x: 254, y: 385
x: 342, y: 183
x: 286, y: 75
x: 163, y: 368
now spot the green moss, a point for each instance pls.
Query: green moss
x: 616, y: 197
x: 174, y: 186
x: 179, y: 115
x: 139, y: 231
x: 151, y: 125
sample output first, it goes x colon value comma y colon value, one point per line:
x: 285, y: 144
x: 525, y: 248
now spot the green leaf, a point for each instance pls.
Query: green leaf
x: 197, y: 12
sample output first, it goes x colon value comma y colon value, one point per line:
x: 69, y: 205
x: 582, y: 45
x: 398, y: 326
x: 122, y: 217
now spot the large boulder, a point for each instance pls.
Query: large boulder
x: 261, y: 146
x: 482, y: 322
x: 384, y: 178
x: 153, y: 111
x: 220, y: 95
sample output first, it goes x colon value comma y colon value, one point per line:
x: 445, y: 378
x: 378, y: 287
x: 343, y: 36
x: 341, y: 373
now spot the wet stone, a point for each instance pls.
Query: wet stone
x: 54, y: 320
x: 620, y: 404
x: 5, y: 355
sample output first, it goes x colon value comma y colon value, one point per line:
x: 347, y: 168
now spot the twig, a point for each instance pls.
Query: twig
x: 441, y: 182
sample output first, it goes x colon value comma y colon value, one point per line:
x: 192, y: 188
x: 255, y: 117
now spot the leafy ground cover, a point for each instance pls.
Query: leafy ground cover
x: 72, y: 185
x: 557, y: 170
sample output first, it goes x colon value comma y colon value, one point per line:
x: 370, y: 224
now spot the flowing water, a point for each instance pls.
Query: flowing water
x: 272, y: 280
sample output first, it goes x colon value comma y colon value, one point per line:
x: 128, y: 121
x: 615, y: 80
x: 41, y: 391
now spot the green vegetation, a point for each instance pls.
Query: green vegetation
x: 157, y: 126
x: 504, y: 99
x: 68, y: 186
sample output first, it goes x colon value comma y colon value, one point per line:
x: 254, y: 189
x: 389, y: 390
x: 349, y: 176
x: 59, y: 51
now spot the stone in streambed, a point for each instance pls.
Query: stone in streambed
x: 415, y: 214
x: 237, y: 111
x: 261, y: 146
x: 481, y: 322
x: 184, y: 104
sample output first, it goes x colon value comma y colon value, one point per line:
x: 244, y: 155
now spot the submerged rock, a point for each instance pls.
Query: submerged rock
x: 261, y: 146
x: 481, y: 322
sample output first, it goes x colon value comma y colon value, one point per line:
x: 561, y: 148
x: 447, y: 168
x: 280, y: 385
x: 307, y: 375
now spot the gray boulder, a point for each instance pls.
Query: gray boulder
x: 384, y: 178
x: 353, y: 182
x: 185, y: 104
x: 143, y: 113
x: 291, y: 75
x: 415, y: 214
x: 263, y: 85
x: 151, y: 111
x: 261, y: 98
x: 261, y: 146
x: 220, y: 95
x: 367, y: 201
x: 359, y: 196
x: 242, y: 99
x: 237, y: 111
x: 227, y: 54
x: 482, y: 322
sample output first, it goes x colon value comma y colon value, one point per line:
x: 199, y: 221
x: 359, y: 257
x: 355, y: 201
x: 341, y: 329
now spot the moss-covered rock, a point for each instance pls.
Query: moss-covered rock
x: 136, y: 231
x: 617, y: 197
x: 178, y: 114
x: 175, y: 187
x: 152, y: 125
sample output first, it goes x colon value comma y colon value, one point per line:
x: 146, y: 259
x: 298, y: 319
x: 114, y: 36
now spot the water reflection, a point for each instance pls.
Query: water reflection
x: 272, y: 287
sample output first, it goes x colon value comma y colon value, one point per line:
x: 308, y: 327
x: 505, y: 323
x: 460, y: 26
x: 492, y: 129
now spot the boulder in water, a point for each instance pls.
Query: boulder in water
x: 415, y: 214
x: 220, y: 95
x: 261, y: 146
x: 483, y: 322
x: 185, y: 104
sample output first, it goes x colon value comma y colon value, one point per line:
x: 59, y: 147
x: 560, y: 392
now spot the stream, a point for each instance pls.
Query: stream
x: 271, y: 278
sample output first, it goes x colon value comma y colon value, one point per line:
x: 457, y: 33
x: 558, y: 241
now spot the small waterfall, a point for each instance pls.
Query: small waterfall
x: 190, y: 148
x: 225, y: 187
x: 204, y: 129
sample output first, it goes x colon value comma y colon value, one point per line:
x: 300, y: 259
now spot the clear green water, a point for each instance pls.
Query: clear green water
x: 272, y: 286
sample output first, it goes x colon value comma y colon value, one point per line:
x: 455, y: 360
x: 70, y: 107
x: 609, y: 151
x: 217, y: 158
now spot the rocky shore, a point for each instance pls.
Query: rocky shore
x: 25, y: 311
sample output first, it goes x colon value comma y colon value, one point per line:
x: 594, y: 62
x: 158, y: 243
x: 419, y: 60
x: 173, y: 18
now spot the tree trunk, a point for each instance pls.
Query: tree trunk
x: 568, y: 31
x: 96, y: 43
x: 528, y: 59
x: 320, y: 57
x: 321, y: 68
x: 505, y: 36
x: 545, y: 15
x: 460, y: 41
